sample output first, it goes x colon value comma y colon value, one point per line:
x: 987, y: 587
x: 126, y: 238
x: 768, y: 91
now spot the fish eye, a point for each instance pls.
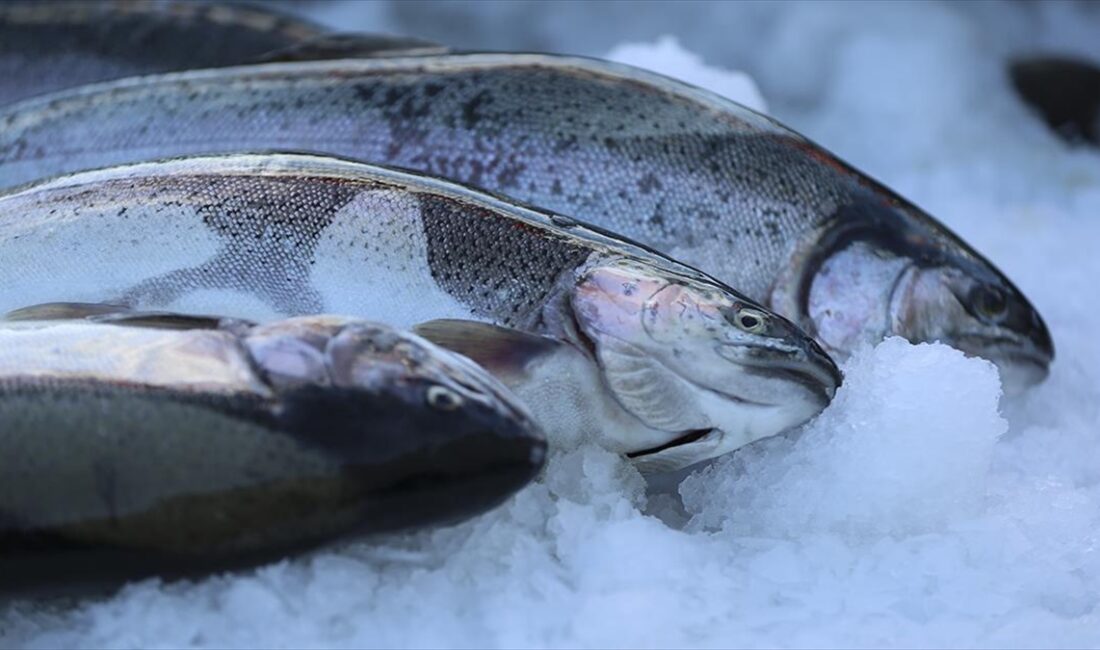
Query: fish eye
x: 443, y: 399
x: 990, y: 301
x: 750, y: 320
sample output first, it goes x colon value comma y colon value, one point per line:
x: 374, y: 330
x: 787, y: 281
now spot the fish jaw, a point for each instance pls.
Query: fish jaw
x: 683, y: 355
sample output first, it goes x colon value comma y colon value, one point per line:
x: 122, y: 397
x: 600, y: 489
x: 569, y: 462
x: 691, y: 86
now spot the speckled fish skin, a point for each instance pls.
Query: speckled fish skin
x: 128, y: 451
x: 267, y: 236
x: 47, y: 46
x: 689, y: 173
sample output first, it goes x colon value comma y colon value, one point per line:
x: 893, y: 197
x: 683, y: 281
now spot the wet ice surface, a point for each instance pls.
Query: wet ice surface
x: 915, y: 511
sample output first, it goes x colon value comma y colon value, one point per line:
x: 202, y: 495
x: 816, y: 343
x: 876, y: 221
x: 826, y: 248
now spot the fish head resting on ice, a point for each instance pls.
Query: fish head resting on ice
x: 882, y: 267
x: 688, y: 357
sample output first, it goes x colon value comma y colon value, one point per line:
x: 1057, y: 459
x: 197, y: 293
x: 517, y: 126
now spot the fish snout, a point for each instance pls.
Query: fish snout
x: 807, y: 366
x: 417, y: 452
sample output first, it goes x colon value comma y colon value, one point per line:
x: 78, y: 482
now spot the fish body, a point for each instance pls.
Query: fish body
x: 47, y: 46
x: 682, y: 356
x: 696, y: 176
x: 128, y: 450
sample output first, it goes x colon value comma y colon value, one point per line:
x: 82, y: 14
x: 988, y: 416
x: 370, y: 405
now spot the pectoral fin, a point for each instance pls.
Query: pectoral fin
x: 504, y: 352
x: 115, y: 315
x: 64, y: 311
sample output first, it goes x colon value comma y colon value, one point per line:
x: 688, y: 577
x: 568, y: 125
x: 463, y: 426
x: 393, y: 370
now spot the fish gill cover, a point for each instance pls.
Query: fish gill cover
x: 915, y: 511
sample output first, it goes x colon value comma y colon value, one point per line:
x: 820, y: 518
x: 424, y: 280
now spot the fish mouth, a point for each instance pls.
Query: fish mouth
x: 1022, y: 363
x: 819, y: 374
x: 687, y: 438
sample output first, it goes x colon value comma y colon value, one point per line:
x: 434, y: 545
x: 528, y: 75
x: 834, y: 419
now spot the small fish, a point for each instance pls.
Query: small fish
x: 690, y: 368
x: 694, y: 175
x: 140, y: 446
x: 47, y: 46
x: 1065, y: 92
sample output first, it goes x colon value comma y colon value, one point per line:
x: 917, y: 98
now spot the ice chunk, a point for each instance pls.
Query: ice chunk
x: 667, y: 57
x: 904, y: 448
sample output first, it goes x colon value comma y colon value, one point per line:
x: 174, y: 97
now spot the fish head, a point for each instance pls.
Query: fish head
x: 884, y: 268
x: 437, y: 432
x: 689, y: 357
x: 978, y: 311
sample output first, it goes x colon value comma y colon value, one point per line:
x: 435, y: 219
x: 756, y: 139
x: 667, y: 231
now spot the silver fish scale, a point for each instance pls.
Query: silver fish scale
x: 566, y: 134
x: 503, y: 268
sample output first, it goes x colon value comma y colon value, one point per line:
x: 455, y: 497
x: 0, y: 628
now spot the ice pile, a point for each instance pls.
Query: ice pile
x: 901, y: 451
x: 906, y: 515
x: 666, y: 56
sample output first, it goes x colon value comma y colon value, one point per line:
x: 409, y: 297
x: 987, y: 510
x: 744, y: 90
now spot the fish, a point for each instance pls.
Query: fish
x: 135, y: 445
x: 684, y: 171
x: 49, y: 46
x: 691, y: 368
x: 1064, y: 91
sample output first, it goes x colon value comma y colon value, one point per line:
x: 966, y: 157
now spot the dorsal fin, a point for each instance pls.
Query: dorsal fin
x: 502, y: 351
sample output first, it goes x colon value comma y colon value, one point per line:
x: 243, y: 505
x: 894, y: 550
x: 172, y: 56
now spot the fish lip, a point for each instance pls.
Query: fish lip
x: 1016, y: 348
x: 1004, y: 351
x: 694, y: 435
x: 817, y: 372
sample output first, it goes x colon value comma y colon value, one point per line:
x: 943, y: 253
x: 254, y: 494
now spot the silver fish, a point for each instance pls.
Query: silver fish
x: 696, y: 176
x: 47, y: 46
x: 693, y: 368
x: 147, y: 445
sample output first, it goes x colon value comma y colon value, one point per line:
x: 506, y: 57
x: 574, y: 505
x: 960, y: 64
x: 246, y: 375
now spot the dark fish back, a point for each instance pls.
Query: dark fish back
x: 48, y: 46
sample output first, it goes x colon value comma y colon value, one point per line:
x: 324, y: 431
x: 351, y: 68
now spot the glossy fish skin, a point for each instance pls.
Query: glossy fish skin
x: 696, y: 176
x: 128, y: 451
x: 47, y: 46
x: 681, y: 356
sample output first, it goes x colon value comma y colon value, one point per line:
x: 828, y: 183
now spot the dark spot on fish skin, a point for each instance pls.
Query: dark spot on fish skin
x: 555, y: 187
x: 409, y: 109
x: 507, y: 177
x: 649, y: 183
x: 471, y: 108
x: 393, y: 94
x: 773, y: 229
x: 565, y: 144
